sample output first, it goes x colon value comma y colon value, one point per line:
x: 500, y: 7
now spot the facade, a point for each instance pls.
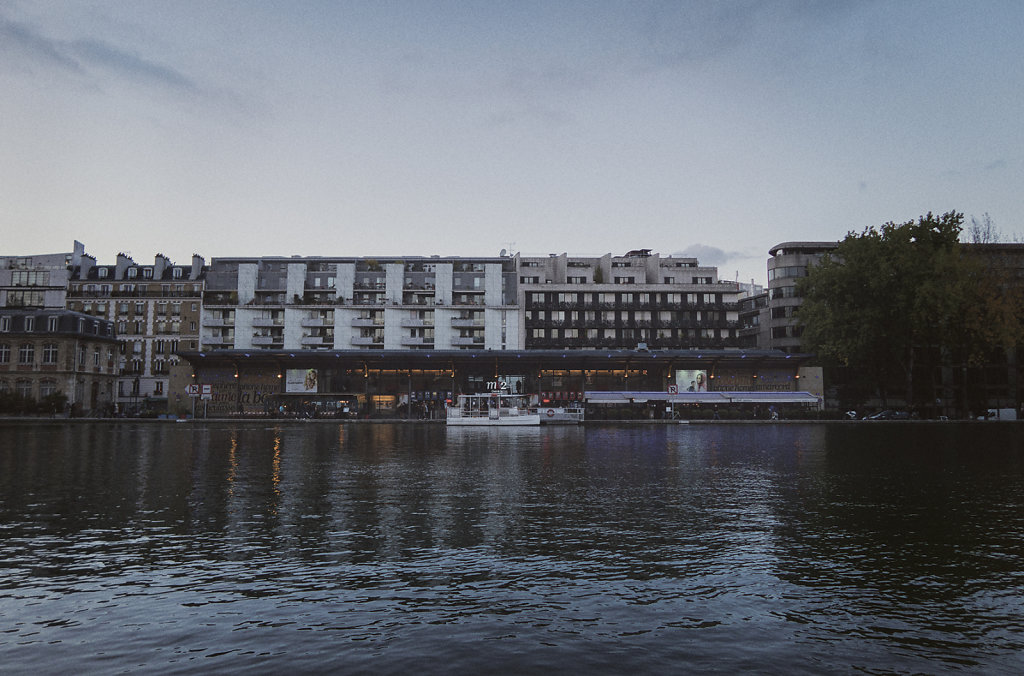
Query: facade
x: 46, y: 352
x: 787, y: 263
x: 37, y: 281
x: 316, y: 303
x: 156, y: 311
x: 417, y: 383
x: 755, y: 330
x: 640, y: 299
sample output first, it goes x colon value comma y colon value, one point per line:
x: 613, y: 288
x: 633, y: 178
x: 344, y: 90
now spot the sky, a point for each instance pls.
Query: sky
x: 714, y: 129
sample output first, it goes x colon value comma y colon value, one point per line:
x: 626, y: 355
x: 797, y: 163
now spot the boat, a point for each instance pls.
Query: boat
x: 492, y: 408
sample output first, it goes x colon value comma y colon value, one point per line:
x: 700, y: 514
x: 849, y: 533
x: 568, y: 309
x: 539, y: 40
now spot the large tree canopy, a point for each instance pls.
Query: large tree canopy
x: 905, y: 296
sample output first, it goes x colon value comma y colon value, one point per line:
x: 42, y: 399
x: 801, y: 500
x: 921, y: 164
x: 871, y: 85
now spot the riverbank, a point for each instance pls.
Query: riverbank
x: 399, y: 421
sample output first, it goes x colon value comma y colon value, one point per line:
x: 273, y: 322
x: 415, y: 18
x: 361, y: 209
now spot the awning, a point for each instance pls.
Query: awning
x: 626, y: 397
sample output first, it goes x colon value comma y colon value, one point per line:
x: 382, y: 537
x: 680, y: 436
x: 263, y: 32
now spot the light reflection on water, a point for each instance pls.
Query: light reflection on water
x: 392, y: 548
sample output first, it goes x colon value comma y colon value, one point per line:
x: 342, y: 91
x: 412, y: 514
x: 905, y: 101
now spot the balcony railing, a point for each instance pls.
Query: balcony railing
x: 367, y: 340
x: 268, y: 340
x: 318, y: 340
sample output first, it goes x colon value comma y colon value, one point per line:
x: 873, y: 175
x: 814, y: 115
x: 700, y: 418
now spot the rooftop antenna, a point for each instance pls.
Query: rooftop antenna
x: 511, y: 251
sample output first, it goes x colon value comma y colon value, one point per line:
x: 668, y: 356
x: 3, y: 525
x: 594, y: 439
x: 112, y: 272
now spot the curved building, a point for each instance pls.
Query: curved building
x: 787, y: 263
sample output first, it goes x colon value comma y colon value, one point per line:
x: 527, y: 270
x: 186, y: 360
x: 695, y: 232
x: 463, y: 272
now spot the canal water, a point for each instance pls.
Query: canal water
x: 408, y: 548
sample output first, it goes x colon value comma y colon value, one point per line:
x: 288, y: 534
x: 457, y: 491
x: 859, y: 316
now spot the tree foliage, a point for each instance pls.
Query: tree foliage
x: 906, y: 297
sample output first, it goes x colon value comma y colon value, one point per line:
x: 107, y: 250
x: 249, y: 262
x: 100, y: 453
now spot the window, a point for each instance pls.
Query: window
x: 576, y: 280
x: 50, y: 353
x: 30, y: 278
x: 133, y: 273
x: 147, y: 273
x: 25, y: 298
x: 47, y: 387
x: 5, y: 353
x: 101, y: 273
x: 24, y: 388
x: 159, y: 387
x: 26, y: 353
x: 96, y: 358
x: 5, y: 323
x: 30, y: 324
x: 176, y: 273
x: 670, y: 280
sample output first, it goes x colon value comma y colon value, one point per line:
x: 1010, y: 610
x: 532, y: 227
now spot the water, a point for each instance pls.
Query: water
x: 415, y: 548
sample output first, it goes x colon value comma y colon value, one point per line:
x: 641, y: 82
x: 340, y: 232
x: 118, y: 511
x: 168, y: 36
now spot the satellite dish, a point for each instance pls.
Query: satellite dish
x: 503, y: 253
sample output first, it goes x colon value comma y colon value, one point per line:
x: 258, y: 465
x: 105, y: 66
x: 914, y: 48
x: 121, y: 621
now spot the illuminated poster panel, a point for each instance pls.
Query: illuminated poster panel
x: 692, y: 381
x: 301, y: 381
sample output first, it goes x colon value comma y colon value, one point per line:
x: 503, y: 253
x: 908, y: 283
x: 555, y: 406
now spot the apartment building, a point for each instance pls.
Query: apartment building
x: 51, y: 351
x: 622, y: 302
x: 787, y: 263
x: 316, y: 303
x: 155, y: 310
x: 39, y: 281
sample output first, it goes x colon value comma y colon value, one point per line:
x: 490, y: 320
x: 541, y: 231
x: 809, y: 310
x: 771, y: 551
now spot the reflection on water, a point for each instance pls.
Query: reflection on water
x: 368, y: 547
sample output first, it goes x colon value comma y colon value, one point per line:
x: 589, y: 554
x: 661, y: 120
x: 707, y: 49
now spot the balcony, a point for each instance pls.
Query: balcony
x: 318, y: 322
x: 268, y: 340
x: 417, y: 340
x: 266, y: 322
x: 473, y: 340
x: 218, y: 340
x: 217, y: 322
x: 467, y: 323
x: 417, y: 323
x: 367, y: 321
x: 318, y: 341
x: 367, y: 340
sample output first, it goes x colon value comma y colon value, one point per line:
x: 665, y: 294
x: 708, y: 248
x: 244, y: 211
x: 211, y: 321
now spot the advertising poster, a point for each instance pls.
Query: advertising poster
x: 692, y: 381
x: 301, y: 381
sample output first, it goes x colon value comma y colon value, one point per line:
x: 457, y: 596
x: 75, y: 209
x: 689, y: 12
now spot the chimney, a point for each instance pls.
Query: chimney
x: 197, y: 266
x: 86, y: 263
x: 76, y: 255
x: 160, y: 264
x: 124, y: 261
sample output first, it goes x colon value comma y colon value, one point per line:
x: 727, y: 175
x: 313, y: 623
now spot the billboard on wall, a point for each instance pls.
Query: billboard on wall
x: 692, y: 381
x: 301, y: 381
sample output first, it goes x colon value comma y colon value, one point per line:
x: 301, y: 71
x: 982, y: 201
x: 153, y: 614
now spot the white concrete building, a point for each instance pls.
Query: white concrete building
x: 316, y: 303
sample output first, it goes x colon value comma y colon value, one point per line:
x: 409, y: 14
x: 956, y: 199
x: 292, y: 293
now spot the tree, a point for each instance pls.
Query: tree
x: 904, y: 299
x: 983, y: 231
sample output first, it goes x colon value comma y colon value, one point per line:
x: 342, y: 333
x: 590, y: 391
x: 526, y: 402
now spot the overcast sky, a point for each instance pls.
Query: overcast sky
x: 461, y: 128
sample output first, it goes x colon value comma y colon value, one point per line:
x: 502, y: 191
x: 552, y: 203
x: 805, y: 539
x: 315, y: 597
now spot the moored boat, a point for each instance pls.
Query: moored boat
x: 492, y: 408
